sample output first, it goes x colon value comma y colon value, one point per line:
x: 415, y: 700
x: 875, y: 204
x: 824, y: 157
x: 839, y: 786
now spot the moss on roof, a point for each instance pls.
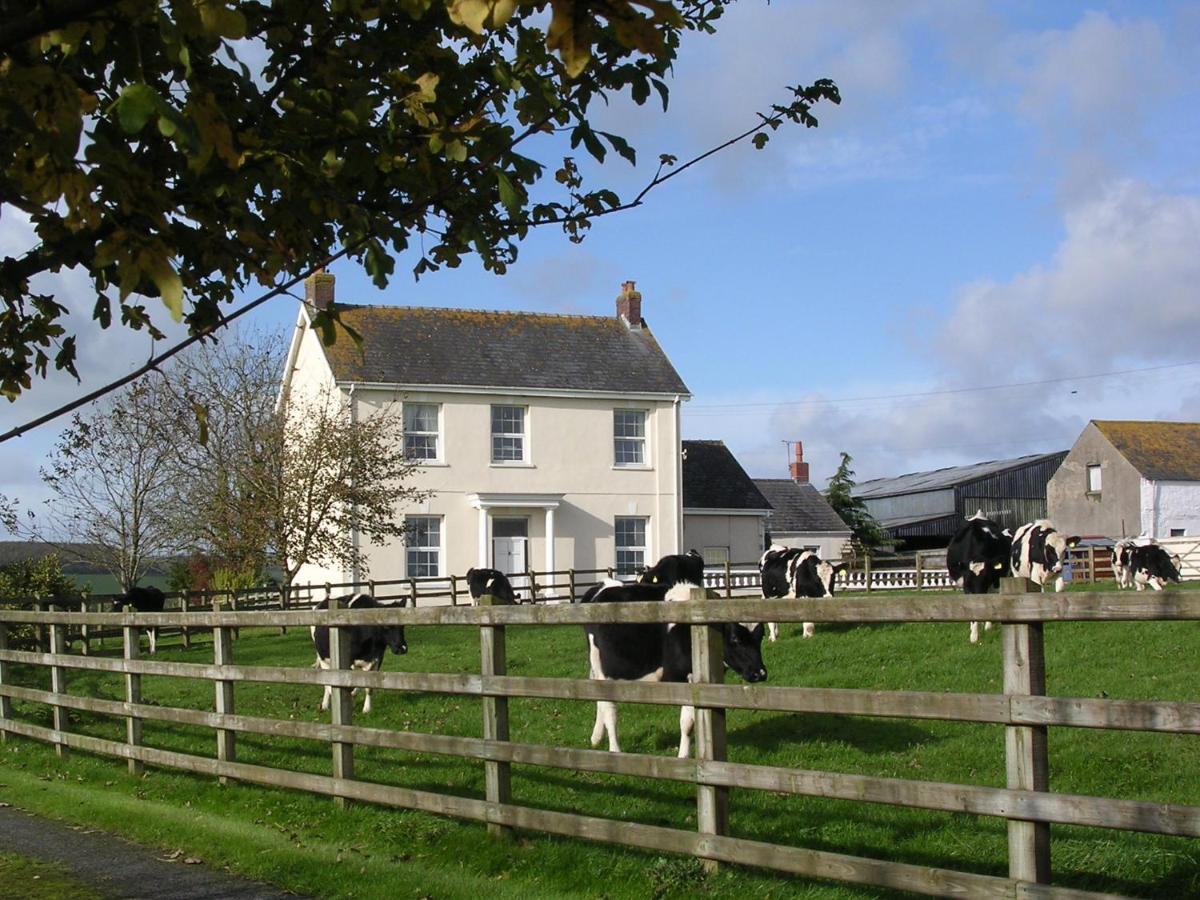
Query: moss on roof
x: 1161, y: 451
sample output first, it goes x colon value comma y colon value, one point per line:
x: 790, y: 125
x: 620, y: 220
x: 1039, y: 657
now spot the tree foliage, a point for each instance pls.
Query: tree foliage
x: 187, y: 150
x: 853, y: 510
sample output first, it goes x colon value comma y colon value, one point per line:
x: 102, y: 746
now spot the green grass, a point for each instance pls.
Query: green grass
x: 306, y: 844
x: 25, y: 878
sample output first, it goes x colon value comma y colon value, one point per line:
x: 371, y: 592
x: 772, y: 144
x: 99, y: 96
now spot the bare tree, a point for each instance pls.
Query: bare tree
x: 111, y: 474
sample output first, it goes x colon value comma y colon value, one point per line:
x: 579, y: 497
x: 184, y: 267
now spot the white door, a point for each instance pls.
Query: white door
x: 510, y: 544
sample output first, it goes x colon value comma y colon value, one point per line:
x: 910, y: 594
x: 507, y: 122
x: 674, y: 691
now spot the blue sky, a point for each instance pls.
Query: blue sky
x: 1008, y: 193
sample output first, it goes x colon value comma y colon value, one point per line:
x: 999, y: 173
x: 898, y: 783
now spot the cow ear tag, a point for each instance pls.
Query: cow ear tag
x: 654, y: 580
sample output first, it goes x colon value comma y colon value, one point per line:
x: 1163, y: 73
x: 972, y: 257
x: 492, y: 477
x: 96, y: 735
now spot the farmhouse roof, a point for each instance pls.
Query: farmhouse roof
x: 799, y: 507
x: 408, y: 345
x: 1160, y: 451
x: 949, y: 477
x: 714, y: 479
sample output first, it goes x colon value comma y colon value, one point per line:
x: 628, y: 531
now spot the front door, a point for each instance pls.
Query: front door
x: 510, y: 543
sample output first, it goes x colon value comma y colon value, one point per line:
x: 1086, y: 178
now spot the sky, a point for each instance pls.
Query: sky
x: 994, y: 239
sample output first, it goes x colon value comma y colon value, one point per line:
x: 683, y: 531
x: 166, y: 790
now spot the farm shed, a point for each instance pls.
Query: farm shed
x: 549, y: 442
x: 1122, y: 479
x: 923, y: 509
x: 724, y: 513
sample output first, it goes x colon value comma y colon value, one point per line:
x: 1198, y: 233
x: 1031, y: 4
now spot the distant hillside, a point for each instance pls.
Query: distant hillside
x: 68, y: 553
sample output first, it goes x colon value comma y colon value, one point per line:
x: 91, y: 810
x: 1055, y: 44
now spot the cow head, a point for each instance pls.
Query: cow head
x: 1056, y: 548
x: 827, y: 574
x: 743, y: 651
x: 394, y: 634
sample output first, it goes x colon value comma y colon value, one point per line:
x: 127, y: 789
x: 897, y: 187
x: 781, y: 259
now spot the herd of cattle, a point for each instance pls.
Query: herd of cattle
x: 979, y: 555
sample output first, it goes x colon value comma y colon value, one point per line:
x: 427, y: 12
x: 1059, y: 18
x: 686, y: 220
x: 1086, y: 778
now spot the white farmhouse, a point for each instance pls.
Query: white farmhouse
x: 549, y: 441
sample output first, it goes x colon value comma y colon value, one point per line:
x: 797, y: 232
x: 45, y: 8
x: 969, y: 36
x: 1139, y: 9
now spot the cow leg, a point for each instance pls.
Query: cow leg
x: 687, y: 718
x: 373, y: 666
x: 606, y: 720
x: 974, y: 632
x: 153, y: 633
x: 987, y: 626
x: 773, y: 630
x: 323, y: 664
x: 1059, y: 584
x: 809, y: 627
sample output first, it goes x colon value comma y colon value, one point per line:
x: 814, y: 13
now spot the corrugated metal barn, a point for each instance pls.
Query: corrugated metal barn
x: 922, y: 510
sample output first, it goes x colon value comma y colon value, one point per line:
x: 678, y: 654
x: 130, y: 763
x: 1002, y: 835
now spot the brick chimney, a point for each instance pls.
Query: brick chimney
x: 799, y: 469
x: 318, y: 289
x: 629, y: 305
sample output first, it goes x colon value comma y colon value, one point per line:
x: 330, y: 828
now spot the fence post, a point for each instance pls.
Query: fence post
x: 454, y: 590
x: 867, y: 571
x: 920, y: 573
x: 708, y: 667
x: 43, y: 643
x: 283, y: 605
x: 5, y: 677
x: 342, y: 704
x: 133, y: 694
x: 412, y: 586
x: 571, y: 583
x: 85, y: 631
x: 58, y: 682
x: 233, y: 607
x: 533, y: 585
x: 728, y: 581
x: 1091, y: 565
x: 497, y: 776
x: 185, y: 632
x: 1025, y: 748
x: 223, y: 656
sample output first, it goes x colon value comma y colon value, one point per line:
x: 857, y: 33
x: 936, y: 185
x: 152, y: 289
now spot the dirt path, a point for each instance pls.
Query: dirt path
x: 121, y: 869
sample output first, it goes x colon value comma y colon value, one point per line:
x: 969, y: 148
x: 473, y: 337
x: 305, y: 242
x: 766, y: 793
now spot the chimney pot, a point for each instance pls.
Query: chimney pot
x: 629, y: 305
x: 799, y: 469
x: 318, y: 289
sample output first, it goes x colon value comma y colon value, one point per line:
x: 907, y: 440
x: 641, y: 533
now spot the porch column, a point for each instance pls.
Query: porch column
x: 483, y: 548
x: 550, y: 545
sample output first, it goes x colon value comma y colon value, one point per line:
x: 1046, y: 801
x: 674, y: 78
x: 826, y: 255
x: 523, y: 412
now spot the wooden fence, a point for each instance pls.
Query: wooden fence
x: 1023, y: 708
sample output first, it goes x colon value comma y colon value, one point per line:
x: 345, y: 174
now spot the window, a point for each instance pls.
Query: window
x: 508, y: 434
x: 1178, y: 532
x: 716, y: 556
x: 629, y: 437
x: 631, y: 544
x: 1093, y: 483
x: 423, y: 546
x: 421, y: 430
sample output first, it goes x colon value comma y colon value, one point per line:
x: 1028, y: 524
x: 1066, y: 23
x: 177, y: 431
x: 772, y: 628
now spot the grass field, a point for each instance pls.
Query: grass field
x: 304, y: 843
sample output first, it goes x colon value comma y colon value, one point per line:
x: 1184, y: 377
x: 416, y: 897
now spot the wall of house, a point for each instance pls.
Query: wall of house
x: 1168, y: 505
x: 741, y: 534
x: 569, y: 453
x: 829, y: 546
x: 1115, y: 511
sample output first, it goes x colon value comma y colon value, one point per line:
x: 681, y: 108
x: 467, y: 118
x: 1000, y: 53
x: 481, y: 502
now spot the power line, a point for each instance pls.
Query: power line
x: 937, y: 393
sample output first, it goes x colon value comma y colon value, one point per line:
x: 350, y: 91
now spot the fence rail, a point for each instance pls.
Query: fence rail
x: 1023, y: 708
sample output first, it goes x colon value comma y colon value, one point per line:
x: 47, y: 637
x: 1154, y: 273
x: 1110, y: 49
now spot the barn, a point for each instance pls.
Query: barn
x: 922, y: 510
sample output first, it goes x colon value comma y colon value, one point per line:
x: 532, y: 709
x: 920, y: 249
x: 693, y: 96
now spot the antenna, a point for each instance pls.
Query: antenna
x: 787, y: 448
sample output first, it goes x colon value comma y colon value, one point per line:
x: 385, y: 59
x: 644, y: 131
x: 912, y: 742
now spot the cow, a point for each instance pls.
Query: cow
x: 490, y: 581
x: 1039, y: 551
x: 1122, y: 573
x: 979, y: 555
x: 790, y: 572
x: 368, y: 643
x: 674, y: 569
x: 142, y: 599
x: 658, y: 651
x: 1150, y: 564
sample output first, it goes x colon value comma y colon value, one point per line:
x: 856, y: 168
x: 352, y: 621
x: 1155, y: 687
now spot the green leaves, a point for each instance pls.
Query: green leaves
x: 134, y: 107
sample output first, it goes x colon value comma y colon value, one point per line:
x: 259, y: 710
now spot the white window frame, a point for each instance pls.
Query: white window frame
x: 436, y: 434
x: 1094, y: 485
x: 429, y: 551
x: 522, y: 435
x: 641, y: 441
x: 637, y: 554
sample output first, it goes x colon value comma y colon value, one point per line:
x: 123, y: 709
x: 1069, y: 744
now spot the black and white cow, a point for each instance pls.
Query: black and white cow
x: 367, y: 642
x: 1121, y: 552
x: 1039, y: 551
x: 658, y: 651
x: 979, y: 555
x: 142, y: 599
x: 790, y: 572
x: 675, y: 569
x: 1150, y: 564
x: 490, y: 581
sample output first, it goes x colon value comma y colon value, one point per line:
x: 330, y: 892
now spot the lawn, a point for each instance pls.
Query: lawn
x: 304, y: 843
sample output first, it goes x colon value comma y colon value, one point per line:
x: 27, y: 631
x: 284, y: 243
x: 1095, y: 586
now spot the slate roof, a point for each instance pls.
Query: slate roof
x: 949, y: 477
x: 799, y: 507
x: 1160, y: 451
x: 475, y: 348
x: 714, y: 479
